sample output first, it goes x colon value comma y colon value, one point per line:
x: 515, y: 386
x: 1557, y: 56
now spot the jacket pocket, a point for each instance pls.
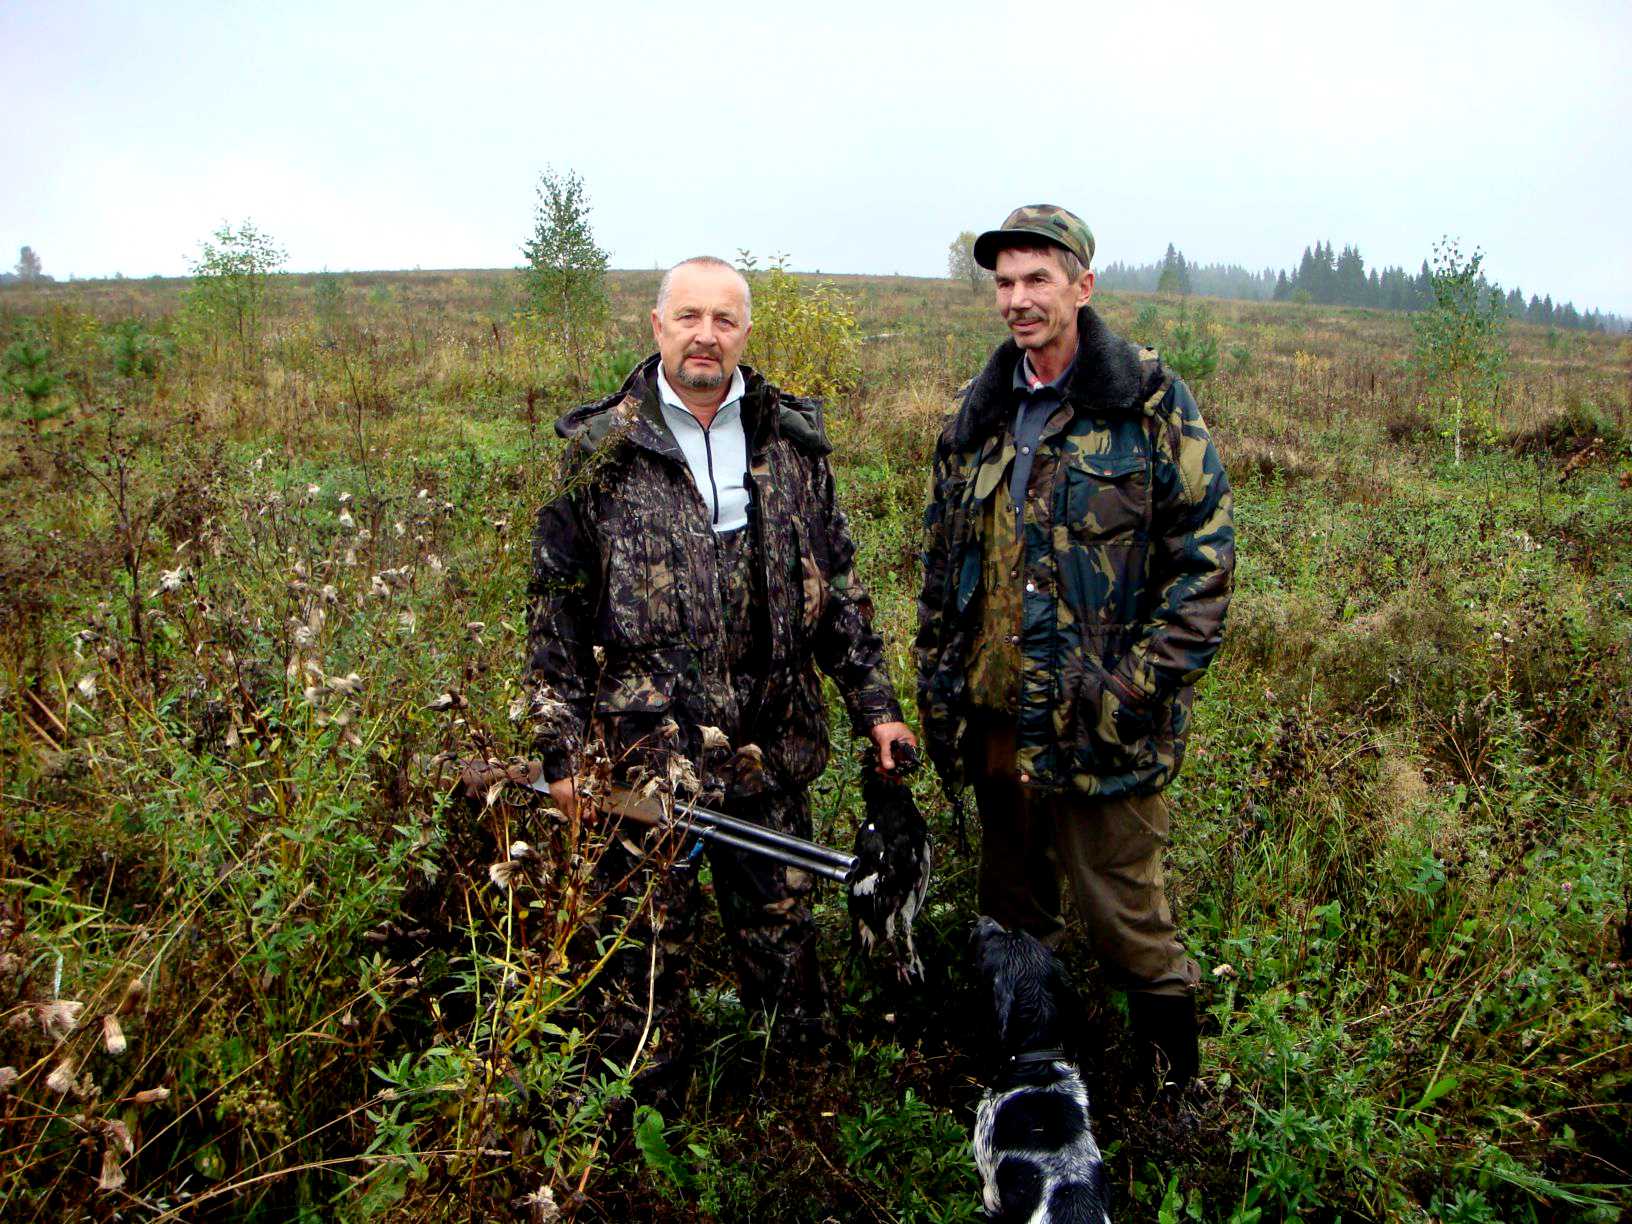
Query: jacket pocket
x: 1114, y: 734
x: 1102, y: 552
x: 648, y: 582
x: 631, y: 705
x: 1106, y: 497
x: 637, y: 691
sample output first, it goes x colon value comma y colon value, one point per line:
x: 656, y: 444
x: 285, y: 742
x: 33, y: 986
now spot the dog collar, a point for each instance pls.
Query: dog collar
x: 1053, y: 1054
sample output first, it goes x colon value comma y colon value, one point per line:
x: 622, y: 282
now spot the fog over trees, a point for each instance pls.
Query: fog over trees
x: 1335, y: 277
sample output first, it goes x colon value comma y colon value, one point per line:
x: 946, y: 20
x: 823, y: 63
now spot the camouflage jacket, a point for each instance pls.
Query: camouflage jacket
x: 625, y: 630
x: 1128, y: 556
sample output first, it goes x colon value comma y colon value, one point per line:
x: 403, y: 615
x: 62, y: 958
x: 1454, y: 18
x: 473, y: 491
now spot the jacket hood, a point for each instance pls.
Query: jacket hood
x: 632, y: 413
x: 1113, y: 377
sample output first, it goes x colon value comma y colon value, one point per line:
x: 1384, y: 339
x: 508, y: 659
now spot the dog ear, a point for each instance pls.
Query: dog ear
x: 1002, y: 1000
x: 992, y: 960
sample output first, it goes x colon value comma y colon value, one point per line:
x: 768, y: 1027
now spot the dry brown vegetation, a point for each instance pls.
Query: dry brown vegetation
x: 254, y: 961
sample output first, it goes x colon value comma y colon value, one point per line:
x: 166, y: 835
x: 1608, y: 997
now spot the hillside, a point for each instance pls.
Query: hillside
x: 257, y: 601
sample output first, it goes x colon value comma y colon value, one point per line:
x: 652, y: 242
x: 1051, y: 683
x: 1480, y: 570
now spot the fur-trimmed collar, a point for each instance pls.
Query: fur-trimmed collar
x: 632, y: 414
x: 1110, y: 379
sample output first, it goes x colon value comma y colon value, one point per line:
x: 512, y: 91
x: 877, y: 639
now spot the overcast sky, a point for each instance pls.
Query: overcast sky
x: 857, y: 137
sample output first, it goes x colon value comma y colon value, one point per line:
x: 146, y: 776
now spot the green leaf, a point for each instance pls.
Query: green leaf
x: 654, y: 1147
x: 1172, y: 1202
x: 1436, y: 1090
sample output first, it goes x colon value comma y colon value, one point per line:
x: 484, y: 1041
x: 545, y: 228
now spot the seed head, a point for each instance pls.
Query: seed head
x: 116, y: 1142
x: 60, y: 1017
x: 118, y: 1136
x: 113, y: 1035
x: 541, y: 1206
x: 682, y: 775
x: 134, y: 993
x: 500, y: 873
x: 61, y: 1079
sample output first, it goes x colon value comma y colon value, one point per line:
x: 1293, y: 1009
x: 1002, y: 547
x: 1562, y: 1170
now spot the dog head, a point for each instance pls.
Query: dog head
x: 1030, y: 992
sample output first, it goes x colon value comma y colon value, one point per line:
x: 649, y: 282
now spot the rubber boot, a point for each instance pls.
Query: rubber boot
x: 1164, y: 1027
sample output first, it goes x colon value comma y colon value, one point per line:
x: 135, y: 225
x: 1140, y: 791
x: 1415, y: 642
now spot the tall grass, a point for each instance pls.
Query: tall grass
x: 264, y: 953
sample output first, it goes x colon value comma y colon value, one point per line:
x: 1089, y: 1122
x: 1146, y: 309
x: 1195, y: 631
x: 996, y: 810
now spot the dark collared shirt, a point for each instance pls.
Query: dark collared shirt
x: 1035, y: 402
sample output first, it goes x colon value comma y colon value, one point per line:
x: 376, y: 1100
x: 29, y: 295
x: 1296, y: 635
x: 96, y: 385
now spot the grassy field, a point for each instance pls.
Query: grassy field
x: 257, y: 599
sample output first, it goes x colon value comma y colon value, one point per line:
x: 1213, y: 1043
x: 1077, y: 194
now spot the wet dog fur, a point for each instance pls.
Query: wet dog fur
x: 1037, y: 1157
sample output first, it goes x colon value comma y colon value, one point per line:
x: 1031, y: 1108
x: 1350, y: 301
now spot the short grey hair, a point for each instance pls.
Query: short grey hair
x: 706, y: 261
x: 1069, y: 263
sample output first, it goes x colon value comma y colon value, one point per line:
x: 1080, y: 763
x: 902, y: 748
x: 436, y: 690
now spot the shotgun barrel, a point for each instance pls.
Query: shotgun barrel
x: 731, y: 831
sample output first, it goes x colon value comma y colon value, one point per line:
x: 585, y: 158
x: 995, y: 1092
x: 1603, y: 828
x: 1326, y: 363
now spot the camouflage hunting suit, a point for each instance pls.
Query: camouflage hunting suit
x: 644, y: 627
x: 1108, y: 604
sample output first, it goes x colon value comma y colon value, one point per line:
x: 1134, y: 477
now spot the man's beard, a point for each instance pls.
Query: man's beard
x: 699, y: 381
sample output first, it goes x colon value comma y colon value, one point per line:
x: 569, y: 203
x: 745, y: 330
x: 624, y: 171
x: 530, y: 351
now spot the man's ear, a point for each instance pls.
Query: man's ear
x: 657, y: 324
x: 1085, y: 288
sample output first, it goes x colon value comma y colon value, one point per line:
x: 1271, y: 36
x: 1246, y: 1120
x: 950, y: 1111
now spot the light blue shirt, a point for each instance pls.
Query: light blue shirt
x: 717, y: 456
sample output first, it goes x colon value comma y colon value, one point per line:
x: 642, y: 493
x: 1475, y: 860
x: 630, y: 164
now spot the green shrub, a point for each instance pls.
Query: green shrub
x: 805, y: 337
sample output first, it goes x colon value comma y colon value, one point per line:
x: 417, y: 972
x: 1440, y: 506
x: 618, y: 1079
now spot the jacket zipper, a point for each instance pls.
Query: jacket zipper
x: 714, y: 488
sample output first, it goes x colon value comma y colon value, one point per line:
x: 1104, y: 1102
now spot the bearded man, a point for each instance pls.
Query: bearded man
x: 700, y: 552
x: 1077, y: 565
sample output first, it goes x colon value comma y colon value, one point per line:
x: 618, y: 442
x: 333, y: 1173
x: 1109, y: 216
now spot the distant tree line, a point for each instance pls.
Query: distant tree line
x: 1340, y: 278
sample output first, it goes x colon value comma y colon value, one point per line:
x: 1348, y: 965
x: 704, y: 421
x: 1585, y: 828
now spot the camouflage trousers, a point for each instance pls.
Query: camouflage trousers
x: 643, y: 991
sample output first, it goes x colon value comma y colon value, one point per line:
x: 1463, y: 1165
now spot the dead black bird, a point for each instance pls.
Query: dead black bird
x: 891, y: 875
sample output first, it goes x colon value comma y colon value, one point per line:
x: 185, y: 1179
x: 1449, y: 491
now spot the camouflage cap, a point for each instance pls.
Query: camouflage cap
x: 1025, y: 225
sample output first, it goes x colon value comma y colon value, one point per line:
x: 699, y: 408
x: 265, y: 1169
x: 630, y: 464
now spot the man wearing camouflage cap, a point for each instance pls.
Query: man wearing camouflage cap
x: 1078, y: 561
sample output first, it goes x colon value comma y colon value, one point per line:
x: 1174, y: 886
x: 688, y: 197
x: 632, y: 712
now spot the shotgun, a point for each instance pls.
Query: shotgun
x: 708, y: 825
x: 711, y: 826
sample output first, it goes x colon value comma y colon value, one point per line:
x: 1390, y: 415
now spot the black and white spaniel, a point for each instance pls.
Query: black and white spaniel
x: 1037, y: 1156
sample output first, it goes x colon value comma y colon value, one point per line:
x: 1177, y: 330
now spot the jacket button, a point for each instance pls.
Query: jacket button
x: 1025, y: 778
x: 1014, y: 639
x: 1031, y: 588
